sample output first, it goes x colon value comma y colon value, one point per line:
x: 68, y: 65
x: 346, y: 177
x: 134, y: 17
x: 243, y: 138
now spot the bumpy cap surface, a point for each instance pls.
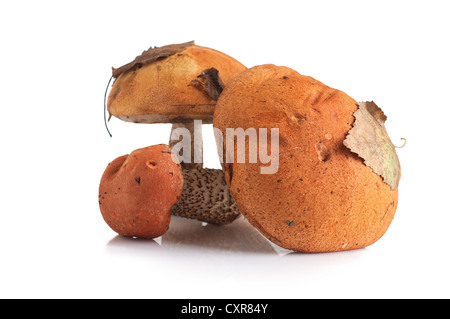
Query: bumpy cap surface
x: 322, y: 197
x: 137, y: 192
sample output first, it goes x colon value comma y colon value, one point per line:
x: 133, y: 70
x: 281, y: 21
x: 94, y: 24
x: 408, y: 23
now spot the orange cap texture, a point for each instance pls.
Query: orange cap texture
x: 323, y: 197
x: 164, y: 90
x: 137, y: 192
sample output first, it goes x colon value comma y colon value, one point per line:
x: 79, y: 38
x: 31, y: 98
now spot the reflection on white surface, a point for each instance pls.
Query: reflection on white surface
x: 239, y: 241
x: 191, y: 235
x: 238, y: 236
x: 232, y: 261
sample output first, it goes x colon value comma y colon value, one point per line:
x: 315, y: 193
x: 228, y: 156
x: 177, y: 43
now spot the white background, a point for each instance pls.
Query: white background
x: 55, y: 62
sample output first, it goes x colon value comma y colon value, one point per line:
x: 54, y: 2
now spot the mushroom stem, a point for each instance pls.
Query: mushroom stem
x: 205, y: 195
x: 189, y: 148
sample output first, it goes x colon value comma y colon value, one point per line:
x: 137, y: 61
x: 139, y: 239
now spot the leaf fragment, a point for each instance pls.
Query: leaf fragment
x: 210, y: 82
x: 151, y: 55
x: 369, y: 139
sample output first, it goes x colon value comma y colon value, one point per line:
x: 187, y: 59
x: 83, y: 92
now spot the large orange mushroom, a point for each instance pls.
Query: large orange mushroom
x: 335, y: 187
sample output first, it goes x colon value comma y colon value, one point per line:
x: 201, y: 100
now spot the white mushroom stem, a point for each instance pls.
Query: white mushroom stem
x: 205, y: 196
x: 186, y: 141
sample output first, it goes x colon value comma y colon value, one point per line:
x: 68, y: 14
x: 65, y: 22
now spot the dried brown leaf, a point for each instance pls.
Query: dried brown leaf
x: 210, y: 81
x: 151, y: 55
x: 369, y: 139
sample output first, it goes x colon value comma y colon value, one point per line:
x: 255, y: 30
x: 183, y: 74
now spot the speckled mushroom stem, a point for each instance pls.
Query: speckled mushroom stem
x: 205, y: 196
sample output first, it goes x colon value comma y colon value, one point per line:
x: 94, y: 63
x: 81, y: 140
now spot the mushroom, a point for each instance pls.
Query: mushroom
x: 179, y: 84
x: 137, y: 192
x: 323, y: 197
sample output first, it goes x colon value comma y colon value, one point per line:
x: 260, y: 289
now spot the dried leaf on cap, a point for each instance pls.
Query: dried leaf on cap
x: 151, y: 55
x: 369, y: 139
x: 210, y: 82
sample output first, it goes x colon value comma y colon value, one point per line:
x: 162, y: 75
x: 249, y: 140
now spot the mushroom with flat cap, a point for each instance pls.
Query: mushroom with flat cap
x: 179, y: 84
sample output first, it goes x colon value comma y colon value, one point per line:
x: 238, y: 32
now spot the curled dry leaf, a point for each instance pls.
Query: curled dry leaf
x: 151, y: 55
x: 210, y: 81
x: 369, y: 139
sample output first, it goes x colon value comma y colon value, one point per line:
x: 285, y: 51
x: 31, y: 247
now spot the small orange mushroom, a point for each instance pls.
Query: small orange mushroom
x: 137, y: 192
